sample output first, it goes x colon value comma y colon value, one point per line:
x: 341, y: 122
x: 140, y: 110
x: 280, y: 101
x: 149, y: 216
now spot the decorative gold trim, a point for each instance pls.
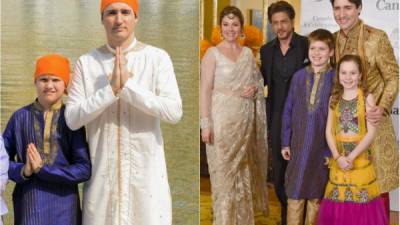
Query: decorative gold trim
x: 314, y: 87
x: 46, y: 133
x: 46, y: 143
x: 313, y: 92
x: 47, y: 127
x: 354, y: 185
x: 316, y: 84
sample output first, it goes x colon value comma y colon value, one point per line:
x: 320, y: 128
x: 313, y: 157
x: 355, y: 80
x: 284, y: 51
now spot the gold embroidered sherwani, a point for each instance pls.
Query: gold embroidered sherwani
x: 376, y: 52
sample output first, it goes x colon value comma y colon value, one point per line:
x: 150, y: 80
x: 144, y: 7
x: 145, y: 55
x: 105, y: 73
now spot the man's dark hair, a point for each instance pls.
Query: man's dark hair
x: 281, y: 6
x: 358, y: 3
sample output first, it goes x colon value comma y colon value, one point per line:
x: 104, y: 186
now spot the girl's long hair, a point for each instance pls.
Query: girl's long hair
x: 337, y: 90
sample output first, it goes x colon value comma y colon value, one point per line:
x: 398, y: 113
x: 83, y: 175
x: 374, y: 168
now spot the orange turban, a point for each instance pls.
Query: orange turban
x: 132, y: 3
x: 55, y: 65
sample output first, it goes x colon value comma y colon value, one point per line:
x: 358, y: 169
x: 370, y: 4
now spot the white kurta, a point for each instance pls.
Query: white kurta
x: 129, y: 183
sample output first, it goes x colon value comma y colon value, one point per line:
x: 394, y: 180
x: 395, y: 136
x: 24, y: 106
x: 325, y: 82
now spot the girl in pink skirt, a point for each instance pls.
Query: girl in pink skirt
x: 352, y: 195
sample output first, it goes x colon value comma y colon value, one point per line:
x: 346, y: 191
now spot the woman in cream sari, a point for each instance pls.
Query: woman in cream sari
x: 233, y: 126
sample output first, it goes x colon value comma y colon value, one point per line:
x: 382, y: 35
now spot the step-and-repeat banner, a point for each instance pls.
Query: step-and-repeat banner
x: 382, y: 14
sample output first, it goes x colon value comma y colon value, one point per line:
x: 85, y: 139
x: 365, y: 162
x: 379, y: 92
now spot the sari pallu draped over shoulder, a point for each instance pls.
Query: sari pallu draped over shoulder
x: 238, y: 158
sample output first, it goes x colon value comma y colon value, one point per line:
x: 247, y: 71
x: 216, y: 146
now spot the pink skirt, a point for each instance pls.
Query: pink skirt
x: 350, y: 213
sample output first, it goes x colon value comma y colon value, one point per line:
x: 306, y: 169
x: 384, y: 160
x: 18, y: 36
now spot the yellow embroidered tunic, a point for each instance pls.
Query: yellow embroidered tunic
x: 359, y: 184
x: 376, y: 52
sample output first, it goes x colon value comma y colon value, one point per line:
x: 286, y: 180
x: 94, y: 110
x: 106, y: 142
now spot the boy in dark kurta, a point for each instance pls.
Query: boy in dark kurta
x: 303, y: 129
x: 47, y: 159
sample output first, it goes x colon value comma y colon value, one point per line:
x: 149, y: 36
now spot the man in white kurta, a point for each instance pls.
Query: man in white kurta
x: 129, y: 183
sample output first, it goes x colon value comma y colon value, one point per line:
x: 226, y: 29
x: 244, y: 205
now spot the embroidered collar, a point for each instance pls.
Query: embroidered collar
x: 323, y: 70
x: 54, y: 107
x: 124, y: 51
x: 46, y: 131
x: 354, y: 31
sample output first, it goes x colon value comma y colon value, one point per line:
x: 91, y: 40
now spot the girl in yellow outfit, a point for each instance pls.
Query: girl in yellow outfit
x: 352, y: 194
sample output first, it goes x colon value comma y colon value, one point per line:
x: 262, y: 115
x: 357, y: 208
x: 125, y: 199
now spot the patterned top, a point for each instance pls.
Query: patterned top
x: 303, y: 123
x: 349, y: 127
x: 348, y: 115
x: 50, y: 196
x: 349, y: 123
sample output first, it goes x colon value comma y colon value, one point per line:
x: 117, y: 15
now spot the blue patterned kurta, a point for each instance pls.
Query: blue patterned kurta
x: 51, y: 196
x: 303, y: 129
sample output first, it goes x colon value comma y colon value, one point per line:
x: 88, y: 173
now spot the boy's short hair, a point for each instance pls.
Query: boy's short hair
x: 325, y: 36
x: 322, y: 35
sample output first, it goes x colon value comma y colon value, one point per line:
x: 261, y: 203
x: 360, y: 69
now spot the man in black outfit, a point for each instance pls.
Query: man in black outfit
x: 280, y: 59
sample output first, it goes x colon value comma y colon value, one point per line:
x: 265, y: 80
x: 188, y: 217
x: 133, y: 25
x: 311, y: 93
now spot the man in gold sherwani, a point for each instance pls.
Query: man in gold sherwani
x: 376, y: 52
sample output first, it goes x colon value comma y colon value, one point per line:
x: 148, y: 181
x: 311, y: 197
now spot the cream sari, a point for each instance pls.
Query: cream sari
x: 238, y: 158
